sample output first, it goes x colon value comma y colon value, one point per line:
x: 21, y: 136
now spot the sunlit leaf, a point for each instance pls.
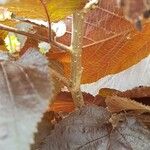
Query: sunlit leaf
x: 111, y: 44
x: 60, y: 9
x: 56, y: 8
x: 135, y: 76
x: 12, y: 43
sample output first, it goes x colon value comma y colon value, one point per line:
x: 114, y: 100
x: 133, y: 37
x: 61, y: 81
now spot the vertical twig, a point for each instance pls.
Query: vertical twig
x: 76, y: 52
x: 76, y: 67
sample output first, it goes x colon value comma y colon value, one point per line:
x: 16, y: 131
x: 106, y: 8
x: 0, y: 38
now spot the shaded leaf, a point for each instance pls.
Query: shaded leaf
x: 130, y: 134
x: 25, y: 90
x: 145, y: 118
x: 44, y: 128
x: 88, y: 128
x: 3, y: 55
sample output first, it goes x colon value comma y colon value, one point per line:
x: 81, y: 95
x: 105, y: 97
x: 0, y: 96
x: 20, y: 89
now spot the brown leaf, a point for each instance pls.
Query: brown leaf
x: 137, y: 92
x: 140, y: 94
x: 63, y: 102
x: 110, y: 43
x: 88, y: 128
x: 117, y: 104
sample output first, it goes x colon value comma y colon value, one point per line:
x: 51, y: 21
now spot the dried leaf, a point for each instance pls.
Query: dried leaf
x: 108, y: 92
x: 116, y: 104
x: 88, y: 129
x: 132, y: 77
x: 138, y: 92
x: 110, y: 45
x: 25, y: 90
x: 63, y: 102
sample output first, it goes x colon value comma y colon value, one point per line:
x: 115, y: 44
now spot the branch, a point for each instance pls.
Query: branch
x: 31, y: 35
x: 11, y: 29
x: 76, y: 67
x: 21, y: 19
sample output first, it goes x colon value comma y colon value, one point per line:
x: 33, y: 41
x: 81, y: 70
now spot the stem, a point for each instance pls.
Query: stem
x: 76, y: 67
x: 33, y: 36
x: 48, y: 19
x: 21, y: 19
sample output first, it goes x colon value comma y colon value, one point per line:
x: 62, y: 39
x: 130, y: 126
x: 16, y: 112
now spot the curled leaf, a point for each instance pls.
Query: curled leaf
x: 138, y: 92
x: 118, y: 104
